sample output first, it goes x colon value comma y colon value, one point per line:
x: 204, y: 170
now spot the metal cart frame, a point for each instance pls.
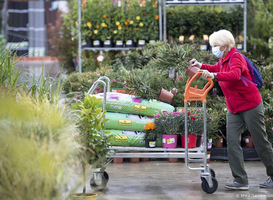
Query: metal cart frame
x: 199, y: 154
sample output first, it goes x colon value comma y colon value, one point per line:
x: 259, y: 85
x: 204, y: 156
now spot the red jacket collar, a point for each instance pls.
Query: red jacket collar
x: 231, y: 51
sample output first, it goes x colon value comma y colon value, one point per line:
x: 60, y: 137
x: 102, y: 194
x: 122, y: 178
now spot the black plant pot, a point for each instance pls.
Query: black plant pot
x: 239, y: 46
x: 151, y: 41
x: 96, y: 43
x: 141, y: 42
x: 130, y: 43
x: 150, y: 143
x: 108, y: 43
x: 203, y: 46
x: 119, y: 43
x: 87, y: 43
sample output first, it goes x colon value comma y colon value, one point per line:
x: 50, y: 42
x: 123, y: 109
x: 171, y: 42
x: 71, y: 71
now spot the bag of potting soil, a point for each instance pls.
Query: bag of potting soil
x: 130, y: 138
x: 127, y: 138
x: 122, y: 121
x: 125, y: 103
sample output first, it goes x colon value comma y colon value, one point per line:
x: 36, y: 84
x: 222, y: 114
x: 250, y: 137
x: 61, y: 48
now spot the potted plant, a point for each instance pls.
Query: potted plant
x: 94, y: 142
x: 147, y: 83
x: 248, y: 140
x: 118, y: 25
x: 169, y: 125
x: 216, y: 120
x: 150, y: 135
x: 195, y: 127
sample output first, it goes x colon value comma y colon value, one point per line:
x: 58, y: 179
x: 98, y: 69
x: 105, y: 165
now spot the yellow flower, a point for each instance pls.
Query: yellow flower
x: 98, y: 26
x: 103, y: 24
x: 119, y: 27
x: 89, y: 24
x: 156, y: 17
x: 95, y: 31
x: 115, y: 31
x: 141, y: 24
x: 117, y: 23
x: 104, y: 16
x: 76, y: 23
x: 131, y: 22
x: 138, y: 17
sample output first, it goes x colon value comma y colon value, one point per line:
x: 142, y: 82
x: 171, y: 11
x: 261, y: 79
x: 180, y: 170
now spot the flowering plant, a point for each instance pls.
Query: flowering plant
x: 147, y: 20
x: 195, y: 121
x: 150, y: 131
x: 169, y: 123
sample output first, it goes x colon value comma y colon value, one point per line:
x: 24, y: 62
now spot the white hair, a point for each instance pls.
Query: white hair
x: 222, y: 38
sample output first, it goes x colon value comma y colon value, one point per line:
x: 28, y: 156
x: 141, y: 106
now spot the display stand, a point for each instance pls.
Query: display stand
x: 168, y: 3
x: 163, y: 20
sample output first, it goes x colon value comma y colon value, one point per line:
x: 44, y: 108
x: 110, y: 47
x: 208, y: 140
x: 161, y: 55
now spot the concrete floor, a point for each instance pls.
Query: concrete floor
x: 163, y: 180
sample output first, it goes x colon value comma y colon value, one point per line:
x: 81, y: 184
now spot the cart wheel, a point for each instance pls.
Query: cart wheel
x: 212, y: 172
x: 102, y: 184
x: 206, y: 188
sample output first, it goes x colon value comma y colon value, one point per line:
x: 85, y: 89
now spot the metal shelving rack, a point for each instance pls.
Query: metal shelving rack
x: 168, y: 3
x: 163, y: 21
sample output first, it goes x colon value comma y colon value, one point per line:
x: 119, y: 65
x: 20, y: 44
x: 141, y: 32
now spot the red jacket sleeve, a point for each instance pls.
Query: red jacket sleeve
x: 228, y: 72
x: 211, y: 68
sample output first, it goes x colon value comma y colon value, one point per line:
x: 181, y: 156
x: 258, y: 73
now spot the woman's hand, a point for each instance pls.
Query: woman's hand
x: 206, y: 74
x: 195, y: 63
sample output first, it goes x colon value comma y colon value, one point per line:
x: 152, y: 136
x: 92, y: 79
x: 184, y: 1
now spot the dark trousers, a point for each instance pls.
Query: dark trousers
x: 237, y: 123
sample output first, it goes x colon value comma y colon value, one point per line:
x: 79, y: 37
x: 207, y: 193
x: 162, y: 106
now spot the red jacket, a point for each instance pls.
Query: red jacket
x: 238, y: 96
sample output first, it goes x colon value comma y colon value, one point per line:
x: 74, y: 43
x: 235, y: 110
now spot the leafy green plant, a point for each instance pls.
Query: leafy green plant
x: 8, y: 74
x: 146, y: 83
x: 2, y: 43
x: 195, y: 20
x: 37, y: 140
x: 195, y: 121
x: 93, y: 139
x: 48, y: 87
x: 169, y: 123
x: 261, y: 28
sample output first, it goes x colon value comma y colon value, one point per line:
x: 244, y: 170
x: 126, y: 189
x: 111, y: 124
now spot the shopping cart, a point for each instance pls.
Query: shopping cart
x: 209, y: 183
x: 199, y: 154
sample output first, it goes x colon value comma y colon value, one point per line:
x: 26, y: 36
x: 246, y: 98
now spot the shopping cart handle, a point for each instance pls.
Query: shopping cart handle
x: 195, y: 94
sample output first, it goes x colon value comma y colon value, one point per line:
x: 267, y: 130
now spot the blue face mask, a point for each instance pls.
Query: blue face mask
x: 217, y: 52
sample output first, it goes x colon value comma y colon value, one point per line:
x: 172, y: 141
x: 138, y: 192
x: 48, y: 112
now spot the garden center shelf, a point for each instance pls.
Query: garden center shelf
x: 143, y: 152
x: 108, y: 48
x: 163, y: 20
x: 203, y: 2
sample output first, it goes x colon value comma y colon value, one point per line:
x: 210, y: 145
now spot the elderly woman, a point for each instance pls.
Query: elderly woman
x: 245, y: 107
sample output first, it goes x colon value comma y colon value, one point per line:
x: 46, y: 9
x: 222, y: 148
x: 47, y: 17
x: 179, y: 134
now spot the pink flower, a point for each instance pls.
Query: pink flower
x: 157, y: 116
x: 179, y: 78
x: 174, y: 91
x: 164, y: 111
x: 114, y: 81
x: 176, y: 113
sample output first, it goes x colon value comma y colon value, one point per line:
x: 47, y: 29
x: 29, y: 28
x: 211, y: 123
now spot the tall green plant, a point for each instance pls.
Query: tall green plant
x: 8, y: 74
x: 93, y: 139
x: 262, y: 31
x: 37, y: 144
x: 48, y: 87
